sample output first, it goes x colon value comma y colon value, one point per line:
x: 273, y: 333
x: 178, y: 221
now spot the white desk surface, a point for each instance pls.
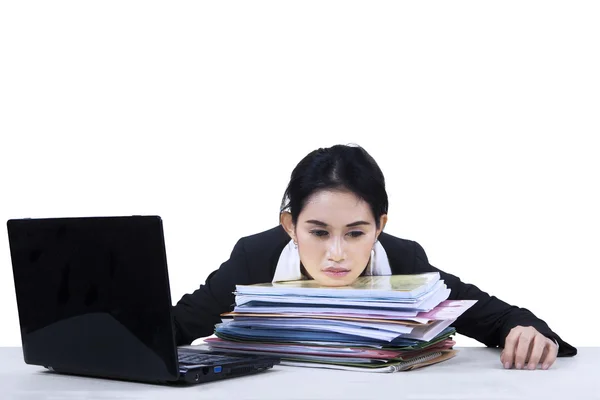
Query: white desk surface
x: 475, y: 373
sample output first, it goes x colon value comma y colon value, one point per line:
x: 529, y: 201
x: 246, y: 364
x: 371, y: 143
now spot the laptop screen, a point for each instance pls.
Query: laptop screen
x: 93, y: 295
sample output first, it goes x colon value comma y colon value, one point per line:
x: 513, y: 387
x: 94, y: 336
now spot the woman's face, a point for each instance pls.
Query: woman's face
x: 335, y: 233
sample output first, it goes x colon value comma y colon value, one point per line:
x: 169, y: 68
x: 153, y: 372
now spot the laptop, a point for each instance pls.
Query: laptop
x: 94, y: 299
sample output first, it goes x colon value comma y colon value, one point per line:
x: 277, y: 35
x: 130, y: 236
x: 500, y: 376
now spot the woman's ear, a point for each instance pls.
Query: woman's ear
x: 382, y: 221
x: 286, y: 222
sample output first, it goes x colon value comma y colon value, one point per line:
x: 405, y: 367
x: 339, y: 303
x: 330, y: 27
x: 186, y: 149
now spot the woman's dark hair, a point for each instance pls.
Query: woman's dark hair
x: 340, y: 167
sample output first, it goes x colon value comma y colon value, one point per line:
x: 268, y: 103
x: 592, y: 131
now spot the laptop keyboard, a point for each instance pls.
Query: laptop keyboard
x: 204, y: 359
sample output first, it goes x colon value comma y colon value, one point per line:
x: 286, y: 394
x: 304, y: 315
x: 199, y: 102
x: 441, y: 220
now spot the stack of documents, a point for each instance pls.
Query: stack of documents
x: 379, y: 323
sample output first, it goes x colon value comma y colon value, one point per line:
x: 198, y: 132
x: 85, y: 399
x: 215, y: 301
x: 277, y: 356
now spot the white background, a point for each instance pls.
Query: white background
x: 483, y: 116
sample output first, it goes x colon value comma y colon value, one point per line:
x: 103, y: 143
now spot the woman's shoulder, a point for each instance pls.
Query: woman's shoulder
x: 262, y: 250
x: 271, y: 236
x: 395, y: 243
x: 403, y: 254
x: 265, y: 242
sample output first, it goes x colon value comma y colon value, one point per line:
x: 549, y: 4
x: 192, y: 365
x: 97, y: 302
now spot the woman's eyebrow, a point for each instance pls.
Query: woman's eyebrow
x: 357, y: 223
x: 316, y: 222
x: 323, y: 224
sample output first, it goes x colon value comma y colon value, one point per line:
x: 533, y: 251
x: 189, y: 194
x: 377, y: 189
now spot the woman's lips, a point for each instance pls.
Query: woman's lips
x: 336, y: 272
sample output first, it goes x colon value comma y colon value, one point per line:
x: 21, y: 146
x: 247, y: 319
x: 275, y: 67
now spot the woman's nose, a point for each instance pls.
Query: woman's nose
x: 336, y: 251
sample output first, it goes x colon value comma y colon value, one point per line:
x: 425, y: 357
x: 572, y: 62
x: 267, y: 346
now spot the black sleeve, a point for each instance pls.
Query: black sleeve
x: 196, y: 314
x: 490, y: 320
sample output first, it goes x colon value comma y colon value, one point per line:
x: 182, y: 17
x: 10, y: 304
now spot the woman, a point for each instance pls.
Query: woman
x: 331, y: 229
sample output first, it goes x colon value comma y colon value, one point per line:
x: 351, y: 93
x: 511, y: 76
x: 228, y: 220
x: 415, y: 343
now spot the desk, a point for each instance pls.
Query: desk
x: 475, y: 373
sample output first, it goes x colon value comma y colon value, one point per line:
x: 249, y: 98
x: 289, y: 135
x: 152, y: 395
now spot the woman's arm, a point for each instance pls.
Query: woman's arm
x: 490, y: 320
x: 196, y: 314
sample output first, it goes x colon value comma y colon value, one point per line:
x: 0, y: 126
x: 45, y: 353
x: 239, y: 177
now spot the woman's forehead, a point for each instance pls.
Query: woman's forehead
x: 335, y: 208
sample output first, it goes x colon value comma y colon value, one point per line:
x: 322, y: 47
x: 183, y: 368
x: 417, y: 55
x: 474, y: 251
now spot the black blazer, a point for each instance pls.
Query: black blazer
x: 254, y: 258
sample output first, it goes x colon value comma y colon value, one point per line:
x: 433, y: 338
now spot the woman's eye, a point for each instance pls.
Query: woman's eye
x: 355, y: 234
x: 319, y: 233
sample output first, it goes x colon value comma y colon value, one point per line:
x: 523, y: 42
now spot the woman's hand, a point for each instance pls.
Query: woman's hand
x: 525, y: 347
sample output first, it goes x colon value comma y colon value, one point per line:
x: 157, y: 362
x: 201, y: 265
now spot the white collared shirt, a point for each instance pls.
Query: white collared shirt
x: 288, y: 266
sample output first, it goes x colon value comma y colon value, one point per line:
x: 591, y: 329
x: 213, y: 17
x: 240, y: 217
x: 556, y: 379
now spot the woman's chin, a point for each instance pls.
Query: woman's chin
x: 334, y: 281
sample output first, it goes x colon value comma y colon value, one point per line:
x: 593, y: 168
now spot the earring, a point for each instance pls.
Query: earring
x: 295, y: 244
